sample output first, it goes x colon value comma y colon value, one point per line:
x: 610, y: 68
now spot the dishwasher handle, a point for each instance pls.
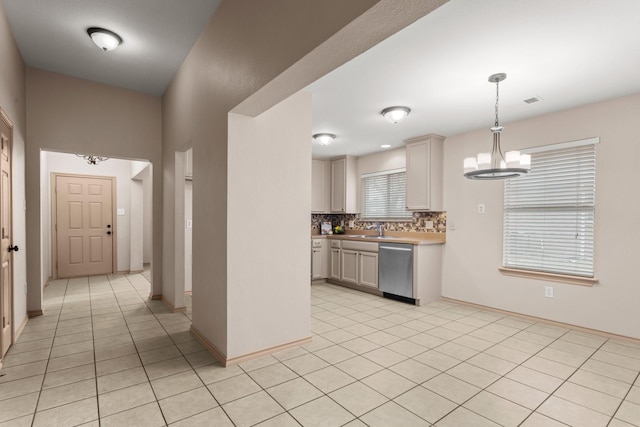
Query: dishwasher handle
x: 393, y: 248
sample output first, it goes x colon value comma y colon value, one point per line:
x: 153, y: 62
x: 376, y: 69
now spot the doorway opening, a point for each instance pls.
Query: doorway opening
x: 131, y: 210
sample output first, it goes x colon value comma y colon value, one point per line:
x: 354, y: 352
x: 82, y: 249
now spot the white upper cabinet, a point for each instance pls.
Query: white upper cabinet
x: 424, y: 173
x: 320, y: 186
x: 344, y: 185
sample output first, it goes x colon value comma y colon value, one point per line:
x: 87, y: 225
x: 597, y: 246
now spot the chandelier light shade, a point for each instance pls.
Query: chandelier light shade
x: 92, y: 160
x: 495, y: 165
x: 324, y: 138
x: 395, y: 114
x: 104, y: 39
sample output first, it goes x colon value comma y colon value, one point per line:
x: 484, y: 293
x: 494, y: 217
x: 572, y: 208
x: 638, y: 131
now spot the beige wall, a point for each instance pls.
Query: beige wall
x: 266, y: 266
x: 255, y: 54
x: 76, y: 116
x: 474, y: 250
x: 13, y: 102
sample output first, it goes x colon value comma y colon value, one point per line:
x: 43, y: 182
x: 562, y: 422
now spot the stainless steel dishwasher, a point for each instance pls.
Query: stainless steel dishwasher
x: 395, y: 271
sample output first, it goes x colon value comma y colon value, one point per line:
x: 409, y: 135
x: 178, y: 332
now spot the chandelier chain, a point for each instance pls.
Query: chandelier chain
x: 497, y: 99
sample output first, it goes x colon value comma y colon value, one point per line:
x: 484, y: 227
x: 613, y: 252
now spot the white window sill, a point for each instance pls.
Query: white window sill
x: 552, y: 277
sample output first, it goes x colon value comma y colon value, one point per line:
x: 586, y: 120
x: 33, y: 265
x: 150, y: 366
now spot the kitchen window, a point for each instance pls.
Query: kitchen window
x: 549, y: 214
x: 384, y: 195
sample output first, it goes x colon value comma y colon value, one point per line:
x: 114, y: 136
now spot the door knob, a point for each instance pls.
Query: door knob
x: 13, y: 248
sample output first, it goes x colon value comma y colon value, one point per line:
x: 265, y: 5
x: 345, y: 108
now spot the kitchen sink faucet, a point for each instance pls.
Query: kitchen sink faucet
x: 377, y: 227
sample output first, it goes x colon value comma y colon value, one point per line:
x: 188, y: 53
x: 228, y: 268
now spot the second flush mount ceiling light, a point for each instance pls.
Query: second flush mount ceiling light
x: 104, y: 39
x: 324, y: 138
x: 395, y: 114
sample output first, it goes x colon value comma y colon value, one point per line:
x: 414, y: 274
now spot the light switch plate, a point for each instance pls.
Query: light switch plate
x: 120, y: 211
x: 189, y: 223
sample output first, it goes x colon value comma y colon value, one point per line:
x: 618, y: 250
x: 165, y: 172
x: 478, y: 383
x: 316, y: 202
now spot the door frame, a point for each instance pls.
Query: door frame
x: 5, y: 118
x: 54, y: 220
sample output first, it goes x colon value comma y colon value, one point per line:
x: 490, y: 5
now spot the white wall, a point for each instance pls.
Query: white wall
x: 141, y: 219
x: 473, y: 251
x: 13, y: 102
x: 188, y: 235
x: 268, y: 273
x: 121, y: 169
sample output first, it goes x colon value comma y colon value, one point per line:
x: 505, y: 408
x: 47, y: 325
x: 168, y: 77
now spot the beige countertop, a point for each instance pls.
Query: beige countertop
x: 408, y: 237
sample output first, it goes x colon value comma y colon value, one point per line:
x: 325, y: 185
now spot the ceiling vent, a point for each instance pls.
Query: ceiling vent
x: 533, y: 99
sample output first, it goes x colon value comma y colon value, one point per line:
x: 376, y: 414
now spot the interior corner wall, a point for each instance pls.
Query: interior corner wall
x: 13, y: 102
x: 77, y: 116
x: 253, y: 54
x: 269, y: 290
x: 473, y: 251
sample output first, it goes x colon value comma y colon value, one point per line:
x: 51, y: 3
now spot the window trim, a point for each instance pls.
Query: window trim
x: 550, y: 277
x: 544, y: 275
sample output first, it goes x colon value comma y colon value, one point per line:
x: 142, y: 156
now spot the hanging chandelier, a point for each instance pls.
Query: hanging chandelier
x: 92, y: 160
x: 495, y: 165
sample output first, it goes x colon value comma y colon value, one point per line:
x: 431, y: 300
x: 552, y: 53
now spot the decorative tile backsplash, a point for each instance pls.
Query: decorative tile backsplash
x: 416, y: 224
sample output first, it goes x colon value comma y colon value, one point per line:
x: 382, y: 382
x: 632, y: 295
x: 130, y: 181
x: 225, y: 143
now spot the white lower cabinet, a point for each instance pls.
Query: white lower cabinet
x: 354, y: 263
x: 334, y: 260
x: 368, y: 269
x: 349, y: 261
x: 319, y: 259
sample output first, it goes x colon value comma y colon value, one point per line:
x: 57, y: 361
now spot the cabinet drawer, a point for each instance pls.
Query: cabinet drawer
x: 360, y: 246
x: 335, y: 244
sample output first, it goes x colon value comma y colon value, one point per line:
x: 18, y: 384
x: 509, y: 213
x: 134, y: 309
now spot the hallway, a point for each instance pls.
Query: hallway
x: 103, y: 354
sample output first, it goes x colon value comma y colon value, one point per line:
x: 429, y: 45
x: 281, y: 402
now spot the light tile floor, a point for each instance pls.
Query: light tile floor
x: 105, y: 355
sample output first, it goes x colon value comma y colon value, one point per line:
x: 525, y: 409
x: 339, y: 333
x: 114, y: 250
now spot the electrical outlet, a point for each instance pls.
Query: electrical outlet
x: 428, y: 225
x: 452, y: 225
x: 481, y: 208
x: 352, y: 224
x: 548, y: 291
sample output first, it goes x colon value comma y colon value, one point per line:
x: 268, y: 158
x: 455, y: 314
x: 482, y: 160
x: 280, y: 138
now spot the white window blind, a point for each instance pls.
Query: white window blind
x: 384, y: 195
x: 549, y: 213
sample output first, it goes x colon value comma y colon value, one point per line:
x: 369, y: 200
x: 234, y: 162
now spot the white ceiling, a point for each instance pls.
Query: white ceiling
x: 157, y: 35
x: 568, y: 52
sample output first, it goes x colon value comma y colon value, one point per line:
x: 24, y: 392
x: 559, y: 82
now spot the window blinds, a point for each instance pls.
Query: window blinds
x: 549, y: 213
x: 383, y: 195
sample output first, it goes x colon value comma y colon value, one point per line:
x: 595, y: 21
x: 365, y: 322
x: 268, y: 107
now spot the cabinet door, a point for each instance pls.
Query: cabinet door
x: 320, y: 186
x: 316, y: 263
x: 368, y: 262
x: 349, y: 261
x: 338, y: 185
x: 418, y: 176
x: 334, y: 269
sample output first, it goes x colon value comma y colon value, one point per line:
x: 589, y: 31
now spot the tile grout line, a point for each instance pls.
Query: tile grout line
x: 35, y: 409
x: 624, y: 399
x: 133, y: 342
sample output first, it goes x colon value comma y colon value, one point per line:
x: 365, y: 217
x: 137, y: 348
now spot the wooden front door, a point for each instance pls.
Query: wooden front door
x: 84, y: 225
x: 6, y: 244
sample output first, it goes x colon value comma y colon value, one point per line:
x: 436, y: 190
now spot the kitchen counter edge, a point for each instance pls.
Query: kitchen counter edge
x: 431, y: 239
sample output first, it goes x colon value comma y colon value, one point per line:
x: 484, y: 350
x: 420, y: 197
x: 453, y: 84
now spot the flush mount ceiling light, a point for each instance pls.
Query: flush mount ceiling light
x: 395, y: 114
x: 324, y: 138
x: 93, y: 160
x: 104, y: 39
x: 495, y: 165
